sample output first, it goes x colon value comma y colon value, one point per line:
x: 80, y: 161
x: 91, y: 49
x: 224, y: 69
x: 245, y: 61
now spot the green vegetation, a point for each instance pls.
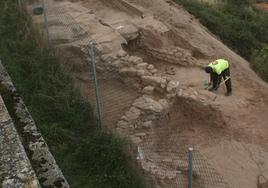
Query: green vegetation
x: 261, y: 62
x: 87, y: 156
x: 239, y: 25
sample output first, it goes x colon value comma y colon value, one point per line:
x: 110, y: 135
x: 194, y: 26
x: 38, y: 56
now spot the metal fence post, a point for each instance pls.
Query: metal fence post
x: 19, y: 3
x: 46, y: 24
x: 190, y: 167
x: 93, y: 62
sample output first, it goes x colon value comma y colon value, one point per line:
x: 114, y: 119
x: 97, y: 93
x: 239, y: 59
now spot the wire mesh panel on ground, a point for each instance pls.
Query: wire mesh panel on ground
x: 164, y: 152
x: 71, y: 39
x: 162, y: 149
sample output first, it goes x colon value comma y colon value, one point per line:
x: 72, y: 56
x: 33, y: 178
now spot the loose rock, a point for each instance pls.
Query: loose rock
x: 154, y: 80
x: 132, y: 114
x: 121, y: 53
x: 129, y: 71
x: 147, y: 124
x: 142, y: 65
x: 148, y: 90
x: 153, y: 71
x: 164, y: 103
x: 172, y: 86
x: 148, y: 104
x: 135, y: 60
x: 150, y: 67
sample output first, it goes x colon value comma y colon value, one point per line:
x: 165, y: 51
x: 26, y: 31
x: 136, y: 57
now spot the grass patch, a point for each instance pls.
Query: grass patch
x: 87, y: 156
x: 238, y: 24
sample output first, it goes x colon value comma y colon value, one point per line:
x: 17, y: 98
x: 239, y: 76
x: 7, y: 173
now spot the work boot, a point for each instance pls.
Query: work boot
x: 229, y: 93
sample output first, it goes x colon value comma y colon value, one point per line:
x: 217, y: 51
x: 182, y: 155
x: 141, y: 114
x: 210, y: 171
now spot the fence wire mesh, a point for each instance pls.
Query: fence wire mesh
x: 161, y: 148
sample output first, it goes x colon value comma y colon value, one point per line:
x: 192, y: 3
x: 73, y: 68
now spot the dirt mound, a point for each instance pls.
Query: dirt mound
x: 200, y: 123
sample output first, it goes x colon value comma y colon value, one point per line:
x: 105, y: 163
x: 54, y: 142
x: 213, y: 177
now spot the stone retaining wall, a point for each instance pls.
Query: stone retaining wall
x: 15, y: 168
x: 173, y: 56
x: 44, y: 164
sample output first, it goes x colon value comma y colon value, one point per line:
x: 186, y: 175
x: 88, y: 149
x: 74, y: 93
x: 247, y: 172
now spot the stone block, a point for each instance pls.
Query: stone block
x: 148, y: 90
x: 142, y: 66
x: 129, y: 71
x: 141, y: 72
x: 147, y: 124
x: 123, y: 124
x: 135, y: 139
x: 132, y: 114
x: 121, y: 53
x: 135, y: 60
x: 154, y: 80
x: 150, y: 67
x: 148, y: 104
x: 164, y: 103
x: 153, y: 71
x: 172, y: 86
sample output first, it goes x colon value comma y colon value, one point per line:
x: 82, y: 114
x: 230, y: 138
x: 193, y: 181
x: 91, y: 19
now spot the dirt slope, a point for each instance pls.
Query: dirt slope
x: 236, y: 140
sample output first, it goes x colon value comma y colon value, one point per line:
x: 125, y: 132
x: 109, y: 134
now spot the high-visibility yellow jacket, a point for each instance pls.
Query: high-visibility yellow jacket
x: 219, y: 65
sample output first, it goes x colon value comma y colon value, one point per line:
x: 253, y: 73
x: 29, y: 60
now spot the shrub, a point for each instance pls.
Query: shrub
x: 260, y: 62
x: 87, y: 156
x: 238, y: 24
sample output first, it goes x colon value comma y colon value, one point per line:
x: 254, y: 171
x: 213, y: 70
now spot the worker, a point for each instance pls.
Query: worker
x: 218, y: 69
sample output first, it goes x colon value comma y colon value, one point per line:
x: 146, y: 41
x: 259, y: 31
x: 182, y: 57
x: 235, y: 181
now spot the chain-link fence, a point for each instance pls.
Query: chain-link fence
x: 119, y: 88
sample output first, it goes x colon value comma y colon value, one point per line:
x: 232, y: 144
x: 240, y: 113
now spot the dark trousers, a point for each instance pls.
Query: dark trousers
x: 216, y: 80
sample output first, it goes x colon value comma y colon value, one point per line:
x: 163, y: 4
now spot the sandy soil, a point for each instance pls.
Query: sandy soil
x: 262, y: 6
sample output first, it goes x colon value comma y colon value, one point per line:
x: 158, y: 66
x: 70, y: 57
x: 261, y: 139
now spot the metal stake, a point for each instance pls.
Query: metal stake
x: 46, y: 24
x: 190, y: 168
x: 93, y: 62
x: 19, y: 3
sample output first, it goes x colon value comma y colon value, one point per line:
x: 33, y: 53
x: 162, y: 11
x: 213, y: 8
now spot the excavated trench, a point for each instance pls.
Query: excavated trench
x: 138, y: 47
x: 165, y: 52
x: 150, y: 39
x: 188, y: 123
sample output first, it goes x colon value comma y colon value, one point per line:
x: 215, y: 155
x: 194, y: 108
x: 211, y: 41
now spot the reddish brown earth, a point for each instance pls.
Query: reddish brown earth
x: 262, y: 6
